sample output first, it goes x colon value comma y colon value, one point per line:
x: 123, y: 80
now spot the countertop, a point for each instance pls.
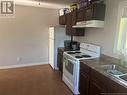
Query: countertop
x: 104, y: 60
x: 62, y: 49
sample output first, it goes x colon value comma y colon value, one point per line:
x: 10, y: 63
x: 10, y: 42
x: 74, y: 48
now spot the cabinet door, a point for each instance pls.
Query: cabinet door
x: 68, y: 30
x: 95, y: 89
x: 81, y: 14
x: 60, y: 61
x: 78, y: 31
x: 69, y: 24
x: 62, y: 20
x: 71, y: 20
x: 89, y: 13
x: 68, y: 19
x: 95, y: 12
x: 114, y: 87
x: 99, y: 12
x: 84, y: 84
x: 73, y: 17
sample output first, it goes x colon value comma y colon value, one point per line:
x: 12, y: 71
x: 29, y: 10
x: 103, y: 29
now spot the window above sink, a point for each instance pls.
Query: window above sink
x: 121, y: 35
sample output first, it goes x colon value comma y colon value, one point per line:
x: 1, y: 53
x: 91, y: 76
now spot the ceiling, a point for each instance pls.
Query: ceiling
x: 54, y: 4
x: 63, y: 2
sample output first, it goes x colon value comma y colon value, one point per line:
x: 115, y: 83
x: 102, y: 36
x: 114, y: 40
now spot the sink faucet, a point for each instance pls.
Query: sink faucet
x: 113, y: 67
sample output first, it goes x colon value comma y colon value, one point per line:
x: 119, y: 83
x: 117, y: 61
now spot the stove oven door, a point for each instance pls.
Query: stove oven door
x: 69, y: 66
x: 69, y: 72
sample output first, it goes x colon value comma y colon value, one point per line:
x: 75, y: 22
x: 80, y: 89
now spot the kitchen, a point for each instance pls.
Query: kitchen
x: 84, y: 46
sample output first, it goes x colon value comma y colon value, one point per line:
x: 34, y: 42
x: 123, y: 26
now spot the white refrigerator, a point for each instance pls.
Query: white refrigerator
x: 57, y: 35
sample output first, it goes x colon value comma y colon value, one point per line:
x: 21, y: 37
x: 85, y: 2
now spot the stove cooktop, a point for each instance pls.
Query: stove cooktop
x: 83, y: 56
x: 79, y: 55
x: 73, y: 52
x: 87, y: 51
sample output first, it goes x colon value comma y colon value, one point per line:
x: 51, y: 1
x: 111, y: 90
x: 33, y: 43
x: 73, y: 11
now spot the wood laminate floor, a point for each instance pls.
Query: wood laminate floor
x: 35, y: 80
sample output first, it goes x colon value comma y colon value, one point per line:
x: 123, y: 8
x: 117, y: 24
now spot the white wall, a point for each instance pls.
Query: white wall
x: 26, y: 36
x: 105, y: 37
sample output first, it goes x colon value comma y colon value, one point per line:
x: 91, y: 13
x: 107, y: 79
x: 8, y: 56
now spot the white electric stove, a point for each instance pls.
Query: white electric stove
x: 71, y: 64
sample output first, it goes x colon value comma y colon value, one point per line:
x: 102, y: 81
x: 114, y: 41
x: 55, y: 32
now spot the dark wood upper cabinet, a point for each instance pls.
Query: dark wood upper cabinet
x: 68, y: 30
x: 81, y: 14
x: 73, y: 17
x: 62, y: 20
x: 69, y: 24
x: 90, y: 12
x: 95, y: 12
x: 70, y: 21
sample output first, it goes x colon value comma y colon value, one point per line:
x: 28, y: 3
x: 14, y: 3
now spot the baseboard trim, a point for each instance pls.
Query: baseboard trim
x: 22, y: 65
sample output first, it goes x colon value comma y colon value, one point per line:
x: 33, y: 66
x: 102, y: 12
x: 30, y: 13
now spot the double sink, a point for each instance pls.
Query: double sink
x: 116, y: 71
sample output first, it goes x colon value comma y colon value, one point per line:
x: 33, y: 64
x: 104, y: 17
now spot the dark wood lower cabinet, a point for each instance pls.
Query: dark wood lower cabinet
x: 93, y: 82
x: 60, y: 59
x: 95, y: 89
x: 114, y: 87
x: 84, y: 84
